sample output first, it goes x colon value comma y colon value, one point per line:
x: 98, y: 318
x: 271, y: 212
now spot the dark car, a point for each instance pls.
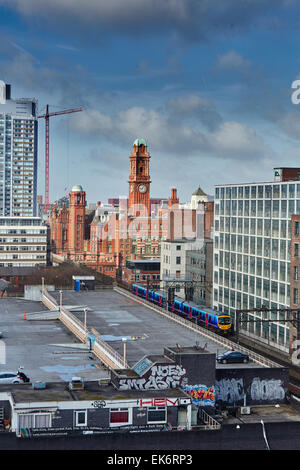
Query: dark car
x: 233, y: 356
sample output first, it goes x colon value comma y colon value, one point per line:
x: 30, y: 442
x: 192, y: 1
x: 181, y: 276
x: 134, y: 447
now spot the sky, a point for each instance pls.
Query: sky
x: 208, y: 84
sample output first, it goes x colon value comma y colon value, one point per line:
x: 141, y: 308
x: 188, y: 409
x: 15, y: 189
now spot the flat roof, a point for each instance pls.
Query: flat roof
x: 58, y: 391
x: 83, y: 278
x: 137, y: 261
x: 257, y: 183
x: 148, y: 332
x: 46, y: 349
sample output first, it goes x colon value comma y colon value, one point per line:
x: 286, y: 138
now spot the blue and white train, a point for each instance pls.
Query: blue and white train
x: 205, y: 316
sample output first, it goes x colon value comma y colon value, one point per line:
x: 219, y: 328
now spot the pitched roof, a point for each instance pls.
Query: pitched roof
x: 199, y: 192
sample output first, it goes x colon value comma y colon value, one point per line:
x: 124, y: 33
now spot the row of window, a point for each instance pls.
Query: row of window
x: 23, y: 256
x: 265, y: 227
x: 270, y: 270
x: 144, y: 277
x: 117, y: 417
x: 237, y: 301
x: 22, y: 248
x: 264, y: 208
x: 167, y: 259
x: 268, y: 191
x: 256, y: 286
x: 260, y: 246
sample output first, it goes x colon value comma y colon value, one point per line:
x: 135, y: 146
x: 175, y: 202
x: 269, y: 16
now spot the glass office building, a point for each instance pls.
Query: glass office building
x: 252, y: 224
x: 18, y: 154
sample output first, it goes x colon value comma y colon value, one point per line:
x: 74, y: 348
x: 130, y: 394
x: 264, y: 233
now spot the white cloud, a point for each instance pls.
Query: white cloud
x: 176, y: 137
x: 232, y: 60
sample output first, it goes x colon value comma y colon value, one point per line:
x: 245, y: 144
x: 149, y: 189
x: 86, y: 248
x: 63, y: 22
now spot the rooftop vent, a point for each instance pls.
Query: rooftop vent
x: 38, y: 385
x: 104, y: 381
x: 76, y: 383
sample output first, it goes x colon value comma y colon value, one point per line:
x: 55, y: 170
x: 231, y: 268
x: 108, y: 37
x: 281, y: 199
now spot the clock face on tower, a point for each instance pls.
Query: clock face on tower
x: 142, y: 188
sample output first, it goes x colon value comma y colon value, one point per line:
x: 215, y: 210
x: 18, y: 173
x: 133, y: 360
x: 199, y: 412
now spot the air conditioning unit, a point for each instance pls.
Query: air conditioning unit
x: 245, y: 410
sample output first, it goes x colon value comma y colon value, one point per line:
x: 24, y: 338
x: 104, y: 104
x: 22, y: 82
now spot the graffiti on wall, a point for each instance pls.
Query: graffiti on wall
x: 200, y: 394
x: 230, y: 390
x: 267, y: 390
x: 260, y: 390
x: 161, y: 377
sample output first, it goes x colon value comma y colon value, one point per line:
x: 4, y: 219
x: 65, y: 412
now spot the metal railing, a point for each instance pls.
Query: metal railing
x: 109, y: 356
x: 201, y: 330
x: 49, y: 298
x: 209, y: 421
x: 117, y: 358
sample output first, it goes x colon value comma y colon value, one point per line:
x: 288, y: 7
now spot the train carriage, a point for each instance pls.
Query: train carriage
x: 203, y: 315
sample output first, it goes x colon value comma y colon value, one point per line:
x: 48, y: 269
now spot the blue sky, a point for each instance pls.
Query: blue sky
x: 206, y: 82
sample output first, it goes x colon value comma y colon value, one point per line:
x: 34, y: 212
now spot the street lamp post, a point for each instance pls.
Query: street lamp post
x: 124, y: 350
x: 60, y: 298
x: 85, y: 326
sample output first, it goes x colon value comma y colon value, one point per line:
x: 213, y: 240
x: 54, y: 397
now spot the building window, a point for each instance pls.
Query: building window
x: 178, y: 259
x: 157, y: 414
x: 296, y: 273
x: 296, y: 249
x: 119, y: 417
x: 34, y: 420
x: 178, y: 247
x: 295, y: 296
x: 81, y: 418
x: 296, y: 228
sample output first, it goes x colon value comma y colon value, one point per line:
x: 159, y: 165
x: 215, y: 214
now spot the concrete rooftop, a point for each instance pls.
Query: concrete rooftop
x: 35, y: 345
x: 49, y: 352
x: 115, y: 316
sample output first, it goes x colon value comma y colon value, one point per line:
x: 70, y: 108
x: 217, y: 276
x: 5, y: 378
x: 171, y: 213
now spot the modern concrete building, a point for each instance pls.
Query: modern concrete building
x: 173, y: 261
x: 23, y: 242
x: 187, y: 252
x: 199, y: 268
x: 18, y: 154
x: 252, y: 252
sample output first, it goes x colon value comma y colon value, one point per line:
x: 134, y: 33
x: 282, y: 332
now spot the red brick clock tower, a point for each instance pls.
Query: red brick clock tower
x: 76, y: 219
x: 139, y: 178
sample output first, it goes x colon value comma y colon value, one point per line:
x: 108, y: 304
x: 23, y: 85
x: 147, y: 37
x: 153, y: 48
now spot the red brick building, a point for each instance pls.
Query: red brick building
x: 294, y: 276
x: 129, y: 229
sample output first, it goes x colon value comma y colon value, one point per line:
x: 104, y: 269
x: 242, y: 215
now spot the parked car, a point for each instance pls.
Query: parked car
x: 13, y: 377
x: 1, y: 334
x: 232, y: 356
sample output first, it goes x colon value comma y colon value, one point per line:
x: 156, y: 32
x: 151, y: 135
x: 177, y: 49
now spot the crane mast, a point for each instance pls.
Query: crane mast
x: 46, y: 116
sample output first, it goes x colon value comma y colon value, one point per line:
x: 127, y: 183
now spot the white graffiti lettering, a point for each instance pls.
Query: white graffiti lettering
x: 230, y: 390
x: 161, y: 378
x: 267, y: 389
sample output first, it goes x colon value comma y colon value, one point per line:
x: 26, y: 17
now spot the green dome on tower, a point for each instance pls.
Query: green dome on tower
x: 77, y: 188
x: 139, y: 142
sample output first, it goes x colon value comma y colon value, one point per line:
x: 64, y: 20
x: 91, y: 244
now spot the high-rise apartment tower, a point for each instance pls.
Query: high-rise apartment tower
x: 18, y: 154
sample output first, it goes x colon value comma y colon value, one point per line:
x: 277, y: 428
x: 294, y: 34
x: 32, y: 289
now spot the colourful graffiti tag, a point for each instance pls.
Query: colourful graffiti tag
x: 200, y: 394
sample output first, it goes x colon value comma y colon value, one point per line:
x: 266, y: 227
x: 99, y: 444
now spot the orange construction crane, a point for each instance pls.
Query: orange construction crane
x: 46, y: 116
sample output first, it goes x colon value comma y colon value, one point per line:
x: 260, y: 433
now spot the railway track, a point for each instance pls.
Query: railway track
x: 246, y: 342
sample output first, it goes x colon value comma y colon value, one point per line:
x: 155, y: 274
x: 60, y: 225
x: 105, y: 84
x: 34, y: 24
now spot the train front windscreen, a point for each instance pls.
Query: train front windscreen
x: 224, y: 320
